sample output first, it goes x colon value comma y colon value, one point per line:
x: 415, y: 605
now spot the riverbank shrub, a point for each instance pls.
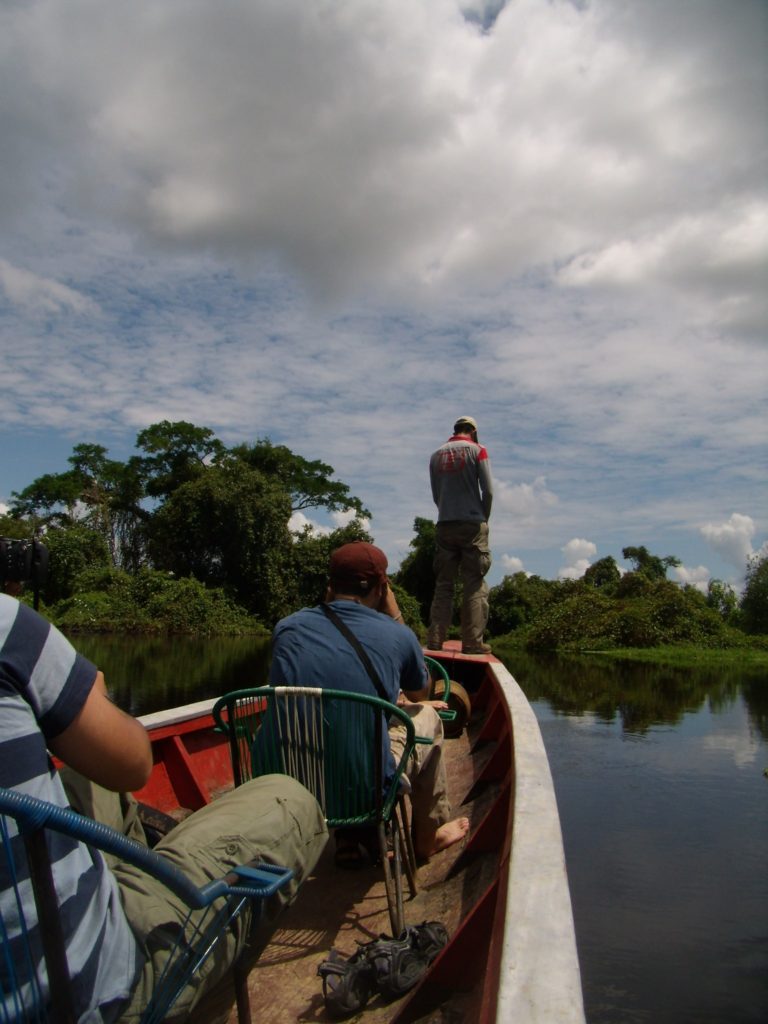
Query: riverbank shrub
x: 150, y: 602
x: 71, y: 552
x: 641, y: 612
x: 521, y: 599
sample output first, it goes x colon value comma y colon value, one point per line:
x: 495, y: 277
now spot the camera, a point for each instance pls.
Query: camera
x: 23, y: 561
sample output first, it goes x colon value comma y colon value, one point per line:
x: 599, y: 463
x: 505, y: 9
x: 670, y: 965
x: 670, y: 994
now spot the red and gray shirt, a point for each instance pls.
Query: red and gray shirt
x: 460, y: 474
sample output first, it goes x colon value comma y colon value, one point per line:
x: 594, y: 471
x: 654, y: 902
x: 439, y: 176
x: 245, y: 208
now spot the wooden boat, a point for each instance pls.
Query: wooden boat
x: 502, y: 894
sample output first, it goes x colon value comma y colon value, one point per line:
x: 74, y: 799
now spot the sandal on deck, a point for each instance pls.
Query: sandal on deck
x: 398, y: 964
x: 347, y: 983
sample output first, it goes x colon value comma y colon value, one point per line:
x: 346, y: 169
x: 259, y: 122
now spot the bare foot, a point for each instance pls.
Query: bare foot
x: 453, y: 832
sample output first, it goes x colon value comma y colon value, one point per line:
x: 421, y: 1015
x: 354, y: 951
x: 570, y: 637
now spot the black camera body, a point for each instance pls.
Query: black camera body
x: 23, y: 561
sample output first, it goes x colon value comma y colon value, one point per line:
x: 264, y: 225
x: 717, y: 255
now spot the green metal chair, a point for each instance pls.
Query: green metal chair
x: 335, y: 743
x: 35, y: 981
x: 441, y: 686
x: 456, y: 716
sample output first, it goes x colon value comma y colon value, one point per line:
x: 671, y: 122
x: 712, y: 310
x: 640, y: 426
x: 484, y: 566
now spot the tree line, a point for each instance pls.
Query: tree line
x: 192, y: 536
x: 188, y: 522
x: 607, y: 608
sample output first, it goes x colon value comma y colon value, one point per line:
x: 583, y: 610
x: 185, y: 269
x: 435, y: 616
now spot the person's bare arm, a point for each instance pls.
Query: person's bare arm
x: 388, y: 603
x: 388, y: 606
x: 418, y: 696
x: 105, y: 744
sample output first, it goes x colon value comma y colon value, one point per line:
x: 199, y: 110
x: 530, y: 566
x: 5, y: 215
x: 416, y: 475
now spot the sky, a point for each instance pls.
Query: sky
x: 343, y: 224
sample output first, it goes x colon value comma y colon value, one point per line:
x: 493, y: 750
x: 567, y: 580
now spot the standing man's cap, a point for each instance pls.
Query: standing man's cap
x: 359, y: 564
x: 464, y: 421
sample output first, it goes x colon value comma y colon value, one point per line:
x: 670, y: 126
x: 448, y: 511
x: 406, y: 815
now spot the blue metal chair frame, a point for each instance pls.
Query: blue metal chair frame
x: 221, y: 901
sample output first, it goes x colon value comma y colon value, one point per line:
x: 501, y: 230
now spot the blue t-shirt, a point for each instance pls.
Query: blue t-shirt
x: 308, y: 650
x: 44, y: 684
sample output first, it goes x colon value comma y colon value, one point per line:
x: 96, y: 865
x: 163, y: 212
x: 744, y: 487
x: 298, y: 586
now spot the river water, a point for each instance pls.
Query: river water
x: 659, y: 775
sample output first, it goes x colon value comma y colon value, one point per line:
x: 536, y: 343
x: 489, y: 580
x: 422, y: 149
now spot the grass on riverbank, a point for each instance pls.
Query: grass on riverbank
x: 748, y: 657
x: 745, y: 656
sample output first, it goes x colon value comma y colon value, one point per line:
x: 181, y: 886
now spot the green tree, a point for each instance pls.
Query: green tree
x: 138, y: 508
x: 176, y: 453
x: 309, y: 484
x: 603, y: 573
x: 754, y: 601
x: 312, y: 553
x: 416, y: 573
x: 99, y: 493
x: 651, y: 566
x: 409, y: 607
x: 518, y: 600
x: 228, y: 528
x: 51, y: 498
x: 72, y: 550
x: 722, y: 598
x: 148, y: 601
x: 17, y: 528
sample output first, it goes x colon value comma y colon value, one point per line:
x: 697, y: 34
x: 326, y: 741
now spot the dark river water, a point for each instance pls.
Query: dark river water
x: 663, y: 800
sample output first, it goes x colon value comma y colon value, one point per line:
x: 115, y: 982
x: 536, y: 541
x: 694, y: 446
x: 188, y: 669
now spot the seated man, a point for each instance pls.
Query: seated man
x: 309, y: 650
x: 53, y: 699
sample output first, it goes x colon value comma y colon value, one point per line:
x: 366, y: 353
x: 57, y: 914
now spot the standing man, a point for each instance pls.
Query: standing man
x: 460, y: 474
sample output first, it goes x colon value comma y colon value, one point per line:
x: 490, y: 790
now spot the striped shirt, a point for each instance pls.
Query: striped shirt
x: 44, y: 684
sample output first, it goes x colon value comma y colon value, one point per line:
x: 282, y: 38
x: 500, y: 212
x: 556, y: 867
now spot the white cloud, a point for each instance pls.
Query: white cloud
x: 511, y: 564
x: 347, y: 516
x: 578, y: 555
x: 393, y: 143
x: 733, y: 539
x: 525, y: 501
x: 300, y: 522
x: 698, y: 577
x: 40, y: 295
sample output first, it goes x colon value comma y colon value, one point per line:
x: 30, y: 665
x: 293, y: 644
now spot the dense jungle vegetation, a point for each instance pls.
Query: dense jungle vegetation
x: 189, y: 536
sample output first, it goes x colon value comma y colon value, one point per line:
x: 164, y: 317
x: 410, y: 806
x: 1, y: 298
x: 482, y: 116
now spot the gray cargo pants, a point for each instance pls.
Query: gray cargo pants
x: 272, y: 818
x: 464, y: 546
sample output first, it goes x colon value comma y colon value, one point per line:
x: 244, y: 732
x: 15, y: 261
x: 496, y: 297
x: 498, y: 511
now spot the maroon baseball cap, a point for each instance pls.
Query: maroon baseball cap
x: 359, y: 564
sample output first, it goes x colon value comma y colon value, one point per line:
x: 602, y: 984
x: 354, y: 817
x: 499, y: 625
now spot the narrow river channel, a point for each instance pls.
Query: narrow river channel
x: 663, y: 800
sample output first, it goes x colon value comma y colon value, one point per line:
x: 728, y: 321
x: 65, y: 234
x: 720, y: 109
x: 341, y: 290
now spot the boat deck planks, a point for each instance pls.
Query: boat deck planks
x: 502, y: 893
x: 341, y: 907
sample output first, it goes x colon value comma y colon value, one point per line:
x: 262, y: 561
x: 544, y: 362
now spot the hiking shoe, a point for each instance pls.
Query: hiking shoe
x: 476, y: 649
x: 434, y: 643
x: 347, y: 982
x: 398, y: 964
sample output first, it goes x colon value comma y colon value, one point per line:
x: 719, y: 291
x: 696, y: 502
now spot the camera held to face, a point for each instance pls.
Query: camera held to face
x: 23, y: 561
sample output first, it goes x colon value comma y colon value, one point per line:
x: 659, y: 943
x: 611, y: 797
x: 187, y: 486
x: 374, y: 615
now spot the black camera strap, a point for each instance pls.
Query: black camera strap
x: 362, y: 654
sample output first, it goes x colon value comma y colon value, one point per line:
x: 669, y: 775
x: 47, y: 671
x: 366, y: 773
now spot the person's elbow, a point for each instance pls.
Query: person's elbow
x: 416, y: 696
x: 134, y: 767
x: 140, y: 767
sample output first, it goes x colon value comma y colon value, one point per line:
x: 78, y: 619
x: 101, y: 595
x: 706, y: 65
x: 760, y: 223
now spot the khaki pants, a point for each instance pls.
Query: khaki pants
x: 460, y: 546
x: 430, y: 807
x: 272, y: 819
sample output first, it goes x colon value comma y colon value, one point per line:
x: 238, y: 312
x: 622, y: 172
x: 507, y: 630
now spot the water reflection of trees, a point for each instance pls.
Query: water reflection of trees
x: 152, y: 673
x: 637, y: 694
